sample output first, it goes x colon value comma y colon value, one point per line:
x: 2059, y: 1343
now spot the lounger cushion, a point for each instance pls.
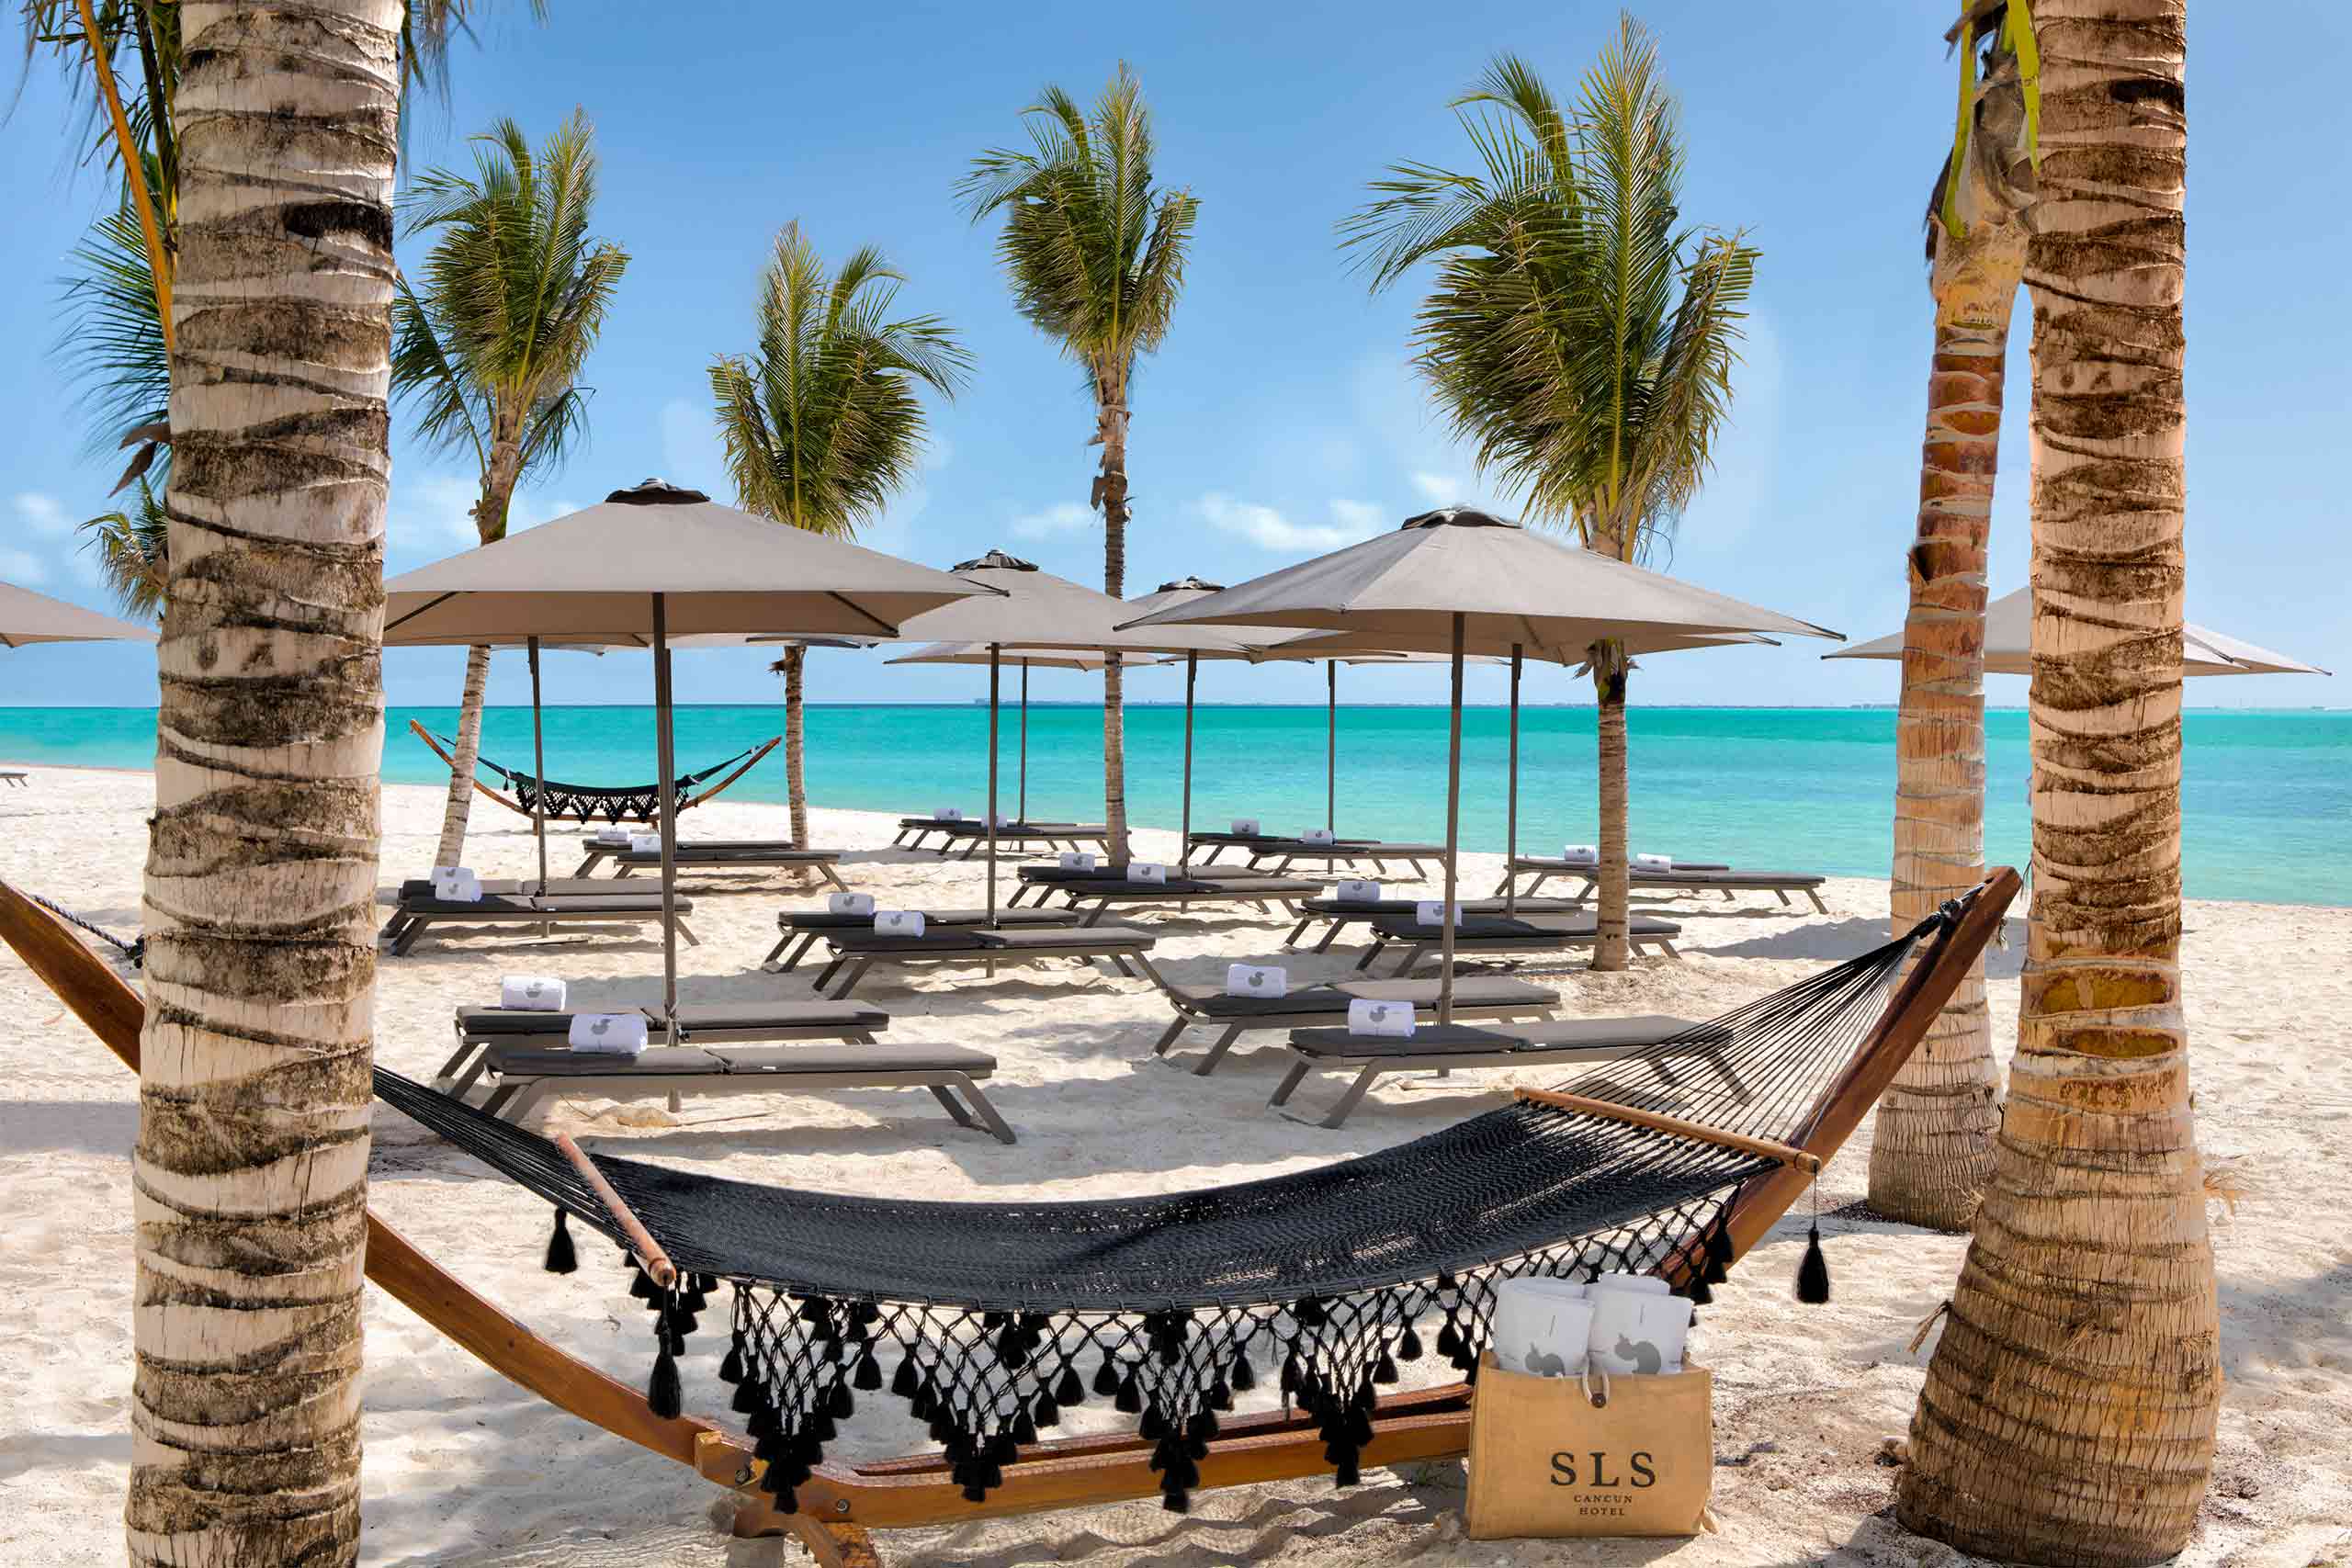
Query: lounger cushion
x: 1196, y: 888
x: 419, y: 891
x: 655, y: 1061
x: 589, y: 842
x: 587, y: 906
x: 1473, y: 992
x: 1559, y: 863
x: 1116, y: 875
x: 782, y: 1060
x: 827, y: 920
x: 781, y: 856
x: 693, y: 1016
x: 1531, y: 928
x: 1736, y: 880
x: 488, y: 907
x: 969, y: 939
x: 1558, y: 1034
x: 1378, y: 907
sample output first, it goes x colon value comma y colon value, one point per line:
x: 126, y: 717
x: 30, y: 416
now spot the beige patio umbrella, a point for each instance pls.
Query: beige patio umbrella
x: 2009, y: 646
x: 646, y: 562
x: 1028, y: 659
x: 1482, y: 584
x: 27, y: 617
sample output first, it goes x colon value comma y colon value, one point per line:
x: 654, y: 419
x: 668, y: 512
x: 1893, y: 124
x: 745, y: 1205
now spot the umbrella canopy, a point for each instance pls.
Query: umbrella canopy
x: 2009, y: 646
x: 1035, y: 610
x: 1483, y: 584
x: 592, y: 576
x: 29, y: 618
x: 647, y: 561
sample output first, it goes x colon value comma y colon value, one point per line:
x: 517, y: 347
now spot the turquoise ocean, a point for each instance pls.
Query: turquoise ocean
x: 2266, y: 805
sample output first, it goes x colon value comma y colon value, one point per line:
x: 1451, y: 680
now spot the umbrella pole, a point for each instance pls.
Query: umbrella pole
x: 1331, y: 745
x: 1020, y: 812
x: 993, y: 653
x: 1184, y: 838
x: 1511, y: 830
x: 665, y: 758
x: 1452, y: 835
x: 538, y: 765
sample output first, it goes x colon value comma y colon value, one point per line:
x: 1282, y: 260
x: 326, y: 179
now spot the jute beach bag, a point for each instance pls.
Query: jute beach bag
x: 1590, y: 1456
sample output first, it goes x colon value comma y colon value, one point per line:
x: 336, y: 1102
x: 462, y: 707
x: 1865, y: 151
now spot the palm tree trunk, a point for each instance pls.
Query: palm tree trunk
x: 2068, y: 1413
x: 1610, y: 949
x: 796, y: 783
x: 252, y: 1160
x: 454, y: 810
x: 1111, y: 494
x: 1933, y: 1147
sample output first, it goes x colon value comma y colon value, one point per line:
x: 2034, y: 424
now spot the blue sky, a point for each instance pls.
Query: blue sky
x: 1280, y: 419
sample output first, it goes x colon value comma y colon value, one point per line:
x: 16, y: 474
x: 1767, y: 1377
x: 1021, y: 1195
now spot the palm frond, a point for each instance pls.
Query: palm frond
x: 130, y: 547
x: 111, y: 345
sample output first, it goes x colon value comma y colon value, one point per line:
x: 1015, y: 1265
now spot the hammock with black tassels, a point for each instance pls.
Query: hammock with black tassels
x: 988, y: 1320
x: 590, y: 803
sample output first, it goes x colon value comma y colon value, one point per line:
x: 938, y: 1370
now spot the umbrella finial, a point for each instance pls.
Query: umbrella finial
x: 1457, y: 517
x: 1192, y: 585
x: 995, y: 560
x: 656, y: 492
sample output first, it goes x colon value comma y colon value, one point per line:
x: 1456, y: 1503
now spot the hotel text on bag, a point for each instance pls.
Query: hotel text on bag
x: 1590, y: 1456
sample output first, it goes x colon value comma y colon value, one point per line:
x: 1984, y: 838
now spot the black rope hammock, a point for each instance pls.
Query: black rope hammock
x: 999, y: 1317
x: 134, y: 951
x: 586, y: 803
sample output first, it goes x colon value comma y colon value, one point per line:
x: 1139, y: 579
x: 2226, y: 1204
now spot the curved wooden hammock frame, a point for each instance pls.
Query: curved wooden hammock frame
x: 518, y: 807
x: 840, y: 1503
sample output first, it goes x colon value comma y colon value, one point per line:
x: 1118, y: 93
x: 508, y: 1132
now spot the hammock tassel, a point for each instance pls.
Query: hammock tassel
x: 869, y: 1376
x: 561, y: 1258
x: 663, y: 1395
x: 1070, y: 1391
x: 1813, y: 1274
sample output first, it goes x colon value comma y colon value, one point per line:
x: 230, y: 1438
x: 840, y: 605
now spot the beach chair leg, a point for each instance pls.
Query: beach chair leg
x: 1291, y: 1080
x: 1330, y: 934
x: 1347, y: 1102
x: 409, y: 935
x: 1175, y: 1031
x: 1781, y: 894
x: 825, y: 976
x: 848, y: 985
x: 1413, y: 957
x: 457, y: 1060
x: 1298, y: 931
x: 954, y: 1106
x: 1500, y: 887
x: 509, y: 1101
x: 1814, y: 894
x: 1215, y: 1052
x: 1120, y: 964
x: 826, y: 871
x: 1379, y: 944
x: 983, y: 1110
x: 582, y: 869
x: 692, y: 940
x: 1094, y: 916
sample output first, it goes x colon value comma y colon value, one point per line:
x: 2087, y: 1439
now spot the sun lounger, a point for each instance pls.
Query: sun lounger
x: 412, y: 917
x: 525, y: 886
x: 1680, y: 883
x: 1099, y: 898
x: 1559, y: 1043
x: 1483, y: 936
x: 1258, y: 850
x: 1208, y: 1006
x: 16, y: 777
x: 913, y: 831
x: 699, y: 1023
x: 741, y: 856
x: 525, y: 1075
x: 1544, y: 868
x: 857, y: 953
x: 1022, y: 837
x: 803, y: 928
x: 1341, y: 913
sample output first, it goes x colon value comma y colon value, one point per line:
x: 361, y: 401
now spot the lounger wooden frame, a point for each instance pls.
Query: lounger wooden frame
x: 1191, y: 1015
x: 464, y: 1065
x: 1286, y: 851
x: 1099, y: 898
x: 1729, y: 882
x: 1544, y: 868
x: 1427, y: 941
x: 408, y: 923
x: 795, y: 942
x: 627, y: 863
x: 1020, y: 839
x: 1340, y: 917
x: 853, y: 962
x: 914, y: 831
x: 1372, y: 1063
x: 840, y: 1505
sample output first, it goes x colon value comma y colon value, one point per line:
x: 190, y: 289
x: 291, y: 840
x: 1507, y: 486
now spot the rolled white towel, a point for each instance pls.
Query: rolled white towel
x: 621, y: 1034
x: 1356, y: 890
x: 1147, y: 871
x: 1075, y: 859
x: 948, y: 814
x: 1366, y: 1017
x: 851, y: 903
x: 644, y: 843
x: 531, y: 993
x: 1581, y: 854
x: 1542, y: 1327
x: 1431, y: 912
x: 898, y: 922
x: 1653, y: 862
x: 1003, y: 820
x: 1256, y: 980
x: 613, y: 833
x: 1318, y: 836
x: 1639, y: 1284
x: 455, y: 884
x: 1245, y: 827
x: 1633, y: 1335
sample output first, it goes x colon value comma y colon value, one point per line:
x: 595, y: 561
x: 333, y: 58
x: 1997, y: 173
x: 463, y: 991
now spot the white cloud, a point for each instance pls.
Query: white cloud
x: 21, y: 566
x: 1270, y: 530
x: 1065, y: 517
x: 1439, y: 490
x: 435, y: 513
x: 43, y: 514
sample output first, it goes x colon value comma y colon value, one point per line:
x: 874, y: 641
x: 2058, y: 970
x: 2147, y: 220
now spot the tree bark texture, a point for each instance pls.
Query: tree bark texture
x: 1610, y: 949
x: 1110, y: 495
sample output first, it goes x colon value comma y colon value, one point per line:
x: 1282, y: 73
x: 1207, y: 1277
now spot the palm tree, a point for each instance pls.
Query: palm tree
x: 251, y: 1164
x: 1933, y: 1147
x: 2069, y: 1408
x: 822, y: 422
x: 489, y: 337
x: 1577, y: 333
x: 1095, y: 253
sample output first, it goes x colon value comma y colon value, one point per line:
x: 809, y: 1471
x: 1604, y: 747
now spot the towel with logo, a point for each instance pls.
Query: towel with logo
x: 531, y: 993
x: 1256, y: 980
x: 613, y: 1033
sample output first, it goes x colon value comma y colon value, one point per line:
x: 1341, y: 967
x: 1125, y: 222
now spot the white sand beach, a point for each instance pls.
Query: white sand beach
x: 466, y: 1471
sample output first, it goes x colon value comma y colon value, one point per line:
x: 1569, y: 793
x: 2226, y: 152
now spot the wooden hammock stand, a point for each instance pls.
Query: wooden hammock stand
x: 840, y: 1505
x: 519, y: 809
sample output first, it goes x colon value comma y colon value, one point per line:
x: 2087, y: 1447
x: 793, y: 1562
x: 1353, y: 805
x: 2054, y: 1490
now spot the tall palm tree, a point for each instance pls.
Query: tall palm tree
x: 2069, y: 1408
x: 251, y: 1164
x: 1095, y: 252
x: 489, y: 339
x: 1577, y: 333
x: 822, y: 422
x: 1932, y: 1150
